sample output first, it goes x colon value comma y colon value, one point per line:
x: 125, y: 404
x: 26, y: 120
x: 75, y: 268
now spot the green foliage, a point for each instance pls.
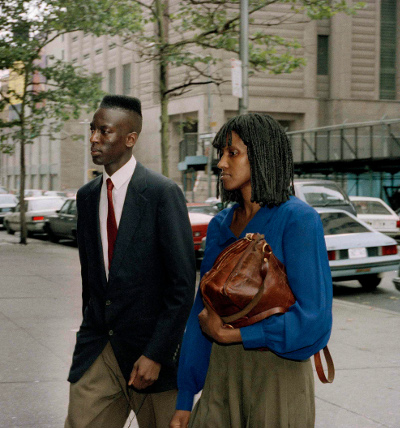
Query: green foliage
x: 41, y: 92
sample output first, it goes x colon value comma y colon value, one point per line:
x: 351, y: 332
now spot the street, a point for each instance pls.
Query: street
x: 40, y: 311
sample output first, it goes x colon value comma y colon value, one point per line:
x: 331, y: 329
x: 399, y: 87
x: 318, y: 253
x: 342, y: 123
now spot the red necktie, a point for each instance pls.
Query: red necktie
x: 112, y: 228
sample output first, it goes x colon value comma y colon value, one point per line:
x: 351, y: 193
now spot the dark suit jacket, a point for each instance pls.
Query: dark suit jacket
x: 143, y: 307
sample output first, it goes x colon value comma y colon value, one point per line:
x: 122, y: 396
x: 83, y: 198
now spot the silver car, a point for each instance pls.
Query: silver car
x: 37, y: 208
x: 356, y: 250
x: 7, y: 204
x: 323, y: 193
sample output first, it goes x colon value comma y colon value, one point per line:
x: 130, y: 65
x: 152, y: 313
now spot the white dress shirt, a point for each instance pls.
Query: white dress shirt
x: 120, y: 179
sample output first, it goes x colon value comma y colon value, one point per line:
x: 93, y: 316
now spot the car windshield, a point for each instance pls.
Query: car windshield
x: 341, y: 223
x: 371, y: 207
x: 45, y: 204
x: 7, y: 199
x: 322, y: 196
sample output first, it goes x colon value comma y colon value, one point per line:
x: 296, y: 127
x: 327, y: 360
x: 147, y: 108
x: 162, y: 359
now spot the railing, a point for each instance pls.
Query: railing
x: 366, y: 140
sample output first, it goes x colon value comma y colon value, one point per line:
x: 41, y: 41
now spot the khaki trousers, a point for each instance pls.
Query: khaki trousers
x: 101, y: 399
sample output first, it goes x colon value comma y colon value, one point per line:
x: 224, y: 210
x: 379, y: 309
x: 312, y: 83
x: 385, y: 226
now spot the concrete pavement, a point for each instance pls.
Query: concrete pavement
x: 40, y: 310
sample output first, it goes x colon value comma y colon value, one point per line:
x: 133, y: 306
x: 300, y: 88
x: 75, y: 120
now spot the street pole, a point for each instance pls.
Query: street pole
x: 210, y: 148
x: 244, y: 55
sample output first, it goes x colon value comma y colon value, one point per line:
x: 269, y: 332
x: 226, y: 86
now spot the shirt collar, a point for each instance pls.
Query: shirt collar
x: 123, y: 174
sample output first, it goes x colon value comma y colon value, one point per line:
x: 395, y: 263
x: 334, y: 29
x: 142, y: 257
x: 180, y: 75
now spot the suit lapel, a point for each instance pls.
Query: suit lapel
x: 94, y: 222
x: 131, y: 214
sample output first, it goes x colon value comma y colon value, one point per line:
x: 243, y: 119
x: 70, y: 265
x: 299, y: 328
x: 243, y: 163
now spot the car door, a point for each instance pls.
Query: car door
x: 71, y: 218
x: 59, y: 224
x: 14, y: 218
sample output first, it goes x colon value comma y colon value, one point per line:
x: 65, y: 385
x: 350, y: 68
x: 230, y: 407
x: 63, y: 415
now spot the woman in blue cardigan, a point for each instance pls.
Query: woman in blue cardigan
x: 242, y: 386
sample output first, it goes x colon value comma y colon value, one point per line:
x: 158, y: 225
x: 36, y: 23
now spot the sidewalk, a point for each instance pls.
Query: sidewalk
x: 40, y: 310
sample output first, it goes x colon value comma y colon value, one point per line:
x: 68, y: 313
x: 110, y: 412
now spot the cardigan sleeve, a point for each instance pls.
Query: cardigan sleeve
x: 306, y: 327
x: 196, y: 348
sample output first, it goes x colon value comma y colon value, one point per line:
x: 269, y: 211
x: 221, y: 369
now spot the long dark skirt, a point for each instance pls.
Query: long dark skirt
x: 255, y: 389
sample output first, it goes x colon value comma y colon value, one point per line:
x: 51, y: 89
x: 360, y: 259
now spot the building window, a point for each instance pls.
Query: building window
x: 323, y: 55
x: 112, y: 81
x: 99, y: 51
x: 126, y: 79
x: 75, y: 38
x: 100, y: 76
x: 86, y: 56
x: 388, y: 50
x: 111, y: 46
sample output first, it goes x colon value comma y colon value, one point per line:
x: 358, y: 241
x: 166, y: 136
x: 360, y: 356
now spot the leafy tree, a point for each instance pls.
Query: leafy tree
x: 41, y: 95
x: 176, y: 30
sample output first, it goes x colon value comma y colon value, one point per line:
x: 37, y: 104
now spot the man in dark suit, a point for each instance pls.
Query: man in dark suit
x: 138, y: 275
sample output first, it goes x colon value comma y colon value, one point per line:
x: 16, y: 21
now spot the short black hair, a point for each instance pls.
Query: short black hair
x: 270, y: 156
x: 124, y: 102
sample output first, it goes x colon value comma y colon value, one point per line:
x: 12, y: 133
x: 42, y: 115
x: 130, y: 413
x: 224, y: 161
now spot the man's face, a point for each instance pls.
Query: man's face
x: 111, y: 138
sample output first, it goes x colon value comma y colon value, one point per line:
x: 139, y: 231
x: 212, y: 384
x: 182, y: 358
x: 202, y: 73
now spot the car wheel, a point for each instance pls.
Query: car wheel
x: 8, y: 229
x: 370, y: 282
x: 52, y: 236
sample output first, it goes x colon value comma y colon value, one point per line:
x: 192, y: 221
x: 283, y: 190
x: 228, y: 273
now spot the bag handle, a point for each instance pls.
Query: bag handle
x: 329, y: 364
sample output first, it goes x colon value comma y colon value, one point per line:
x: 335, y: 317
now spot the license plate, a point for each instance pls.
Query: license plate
x: 357, y: 253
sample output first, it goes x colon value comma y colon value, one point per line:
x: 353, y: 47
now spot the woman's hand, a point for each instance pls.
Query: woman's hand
x: 180, y: 419
x: 213, y: 326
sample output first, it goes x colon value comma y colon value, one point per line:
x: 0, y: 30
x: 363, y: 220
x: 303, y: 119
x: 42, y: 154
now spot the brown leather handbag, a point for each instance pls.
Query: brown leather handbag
x: 247, y: 284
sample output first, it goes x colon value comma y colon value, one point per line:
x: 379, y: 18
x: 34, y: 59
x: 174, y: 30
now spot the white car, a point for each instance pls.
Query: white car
x: 37, y: 208
x: 377, y: 214
x: 322, y: 193
x: 356, y: 250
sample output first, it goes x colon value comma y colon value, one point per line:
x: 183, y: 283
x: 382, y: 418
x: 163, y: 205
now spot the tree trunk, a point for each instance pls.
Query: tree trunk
x: 24, y: 232
x: 164, y: 136
x: 163, y: 84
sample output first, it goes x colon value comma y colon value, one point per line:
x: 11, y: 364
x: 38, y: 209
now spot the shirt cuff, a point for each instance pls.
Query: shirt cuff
x: 185, y: 400
x: 253, y: 336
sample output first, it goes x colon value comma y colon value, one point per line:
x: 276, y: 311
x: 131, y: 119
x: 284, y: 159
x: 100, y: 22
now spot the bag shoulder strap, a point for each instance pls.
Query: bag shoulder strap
x: 329, y: 364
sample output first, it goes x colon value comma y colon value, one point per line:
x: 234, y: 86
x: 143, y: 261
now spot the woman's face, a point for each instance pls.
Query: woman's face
x: 234, y: 165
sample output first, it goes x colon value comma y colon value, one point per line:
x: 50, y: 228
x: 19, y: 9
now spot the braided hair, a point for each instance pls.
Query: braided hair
x: 270, y: 157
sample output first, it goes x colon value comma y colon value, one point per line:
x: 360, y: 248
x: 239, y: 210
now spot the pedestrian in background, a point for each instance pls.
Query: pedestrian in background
x: 138, y: 274
x: 242, y: 385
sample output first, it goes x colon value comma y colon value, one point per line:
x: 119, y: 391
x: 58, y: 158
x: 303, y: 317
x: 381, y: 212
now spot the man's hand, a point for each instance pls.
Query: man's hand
x: 145, y: 372
x: 213, y: 326
x: 180, y: 419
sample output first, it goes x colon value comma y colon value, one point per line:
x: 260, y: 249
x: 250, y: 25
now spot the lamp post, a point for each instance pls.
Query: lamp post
x: 244, y: 55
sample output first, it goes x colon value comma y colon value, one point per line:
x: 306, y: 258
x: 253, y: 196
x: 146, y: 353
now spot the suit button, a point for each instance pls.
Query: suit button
x: 108, y: 302
x: 110, y: 333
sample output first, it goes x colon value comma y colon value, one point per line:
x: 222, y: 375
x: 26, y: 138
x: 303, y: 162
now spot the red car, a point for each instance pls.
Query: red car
x: 200, y: 215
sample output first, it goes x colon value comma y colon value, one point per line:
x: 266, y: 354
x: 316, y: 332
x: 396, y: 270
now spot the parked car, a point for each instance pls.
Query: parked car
x: 204, y: 208
x: 199, y: 223
x: 356, y: 250
x: 7, y: 203
x: 54, y: 193
x: 3, y: 190
x: 33, y: 192
x: 377, y: 214
x: 37, y: 208
x: 62, y: 224
x: 323, y: 193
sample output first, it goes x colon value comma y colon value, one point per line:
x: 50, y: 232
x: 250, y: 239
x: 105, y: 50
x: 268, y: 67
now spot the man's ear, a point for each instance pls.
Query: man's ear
x: 131, y: 139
